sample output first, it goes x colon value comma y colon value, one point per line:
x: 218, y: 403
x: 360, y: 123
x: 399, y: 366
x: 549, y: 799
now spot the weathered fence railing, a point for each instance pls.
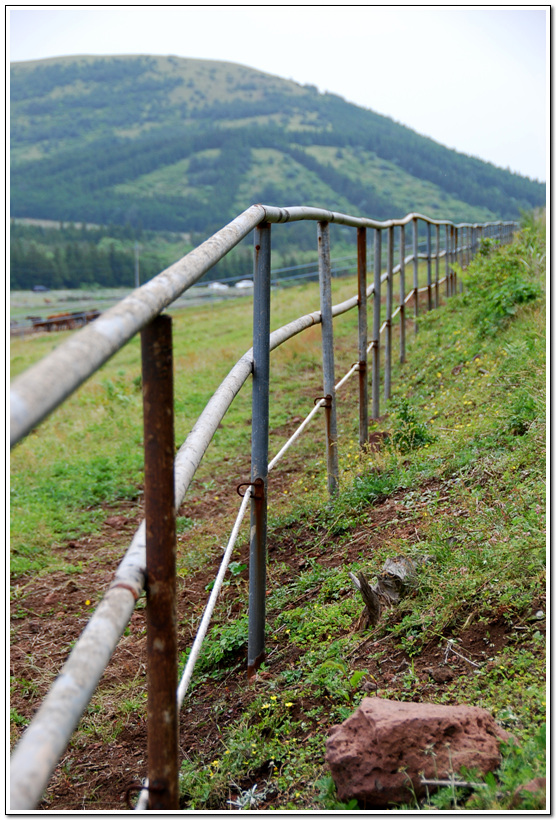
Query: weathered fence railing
x: 148, y: 563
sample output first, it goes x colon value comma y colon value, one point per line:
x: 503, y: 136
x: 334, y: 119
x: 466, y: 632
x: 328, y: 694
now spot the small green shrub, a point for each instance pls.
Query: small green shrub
x: 408, y: 432
x: 223, y: 643
x: 523, y: 412
x: 328, y: 798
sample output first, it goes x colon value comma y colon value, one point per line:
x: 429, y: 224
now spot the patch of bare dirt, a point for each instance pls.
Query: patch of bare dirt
x: 49, y: 612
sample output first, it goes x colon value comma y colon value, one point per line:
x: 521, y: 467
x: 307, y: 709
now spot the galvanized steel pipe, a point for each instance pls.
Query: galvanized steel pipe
x: 388, y: 328
x: 362, y: 335
x: 429, y: 267
x: 45, y: 739
x: 259, y: 449
x: 437, y: 264
x: 375, y: 351
x: 328, y: 357
x: 415, y: 273
x: 402, y: 294
x: 47, y: 384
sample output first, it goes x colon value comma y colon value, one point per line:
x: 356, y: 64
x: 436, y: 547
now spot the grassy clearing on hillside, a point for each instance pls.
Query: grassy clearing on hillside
x: 90, y: 451
x: 459, y: 480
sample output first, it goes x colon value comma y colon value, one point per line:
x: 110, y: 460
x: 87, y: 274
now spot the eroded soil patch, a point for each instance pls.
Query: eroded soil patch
x: 108, y: 753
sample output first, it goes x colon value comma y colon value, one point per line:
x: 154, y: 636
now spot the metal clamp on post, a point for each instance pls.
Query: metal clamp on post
x: 361, y: 366
x: 139, y: 787
x: 326, y: 399
x: 258, y: 492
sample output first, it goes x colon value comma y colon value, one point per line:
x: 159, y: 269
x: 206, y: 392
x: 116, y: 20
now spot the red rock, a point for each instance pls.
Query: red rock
x: 534, y: 787
x: 380, y: 753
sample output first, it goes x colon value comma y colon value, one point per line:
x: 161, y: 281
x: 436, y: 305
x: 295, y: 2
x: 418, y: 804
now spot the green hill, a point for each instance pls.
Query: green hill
x: 184, y: 145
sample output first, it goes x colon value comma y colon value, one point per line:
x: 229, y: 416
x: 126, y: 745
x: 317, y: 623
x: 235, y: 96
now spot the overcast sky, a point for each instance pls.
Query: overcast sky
x: 472, y: 78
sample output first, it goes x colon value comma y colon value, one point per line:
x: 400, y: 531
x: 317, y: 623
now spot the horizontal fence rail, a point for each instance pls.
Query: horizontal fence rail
x: 42, y: 388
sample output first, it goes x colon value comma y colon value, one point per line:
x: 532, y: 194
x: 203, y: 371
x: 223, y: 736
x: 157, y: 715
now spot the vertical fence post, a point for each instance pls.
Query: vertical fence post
x: 259, y: 448
x: 402, y: 294
x: 415, y: 273
x: 328, y: 357
x: 448, y: 257
x: 468, y: 243
x: 160, y: 523
x: 429, y: 267
x: 436, y: 263
x: 457, y: 249
x: 362, y: 317
x: 375, y: 389
x: 388, y: 337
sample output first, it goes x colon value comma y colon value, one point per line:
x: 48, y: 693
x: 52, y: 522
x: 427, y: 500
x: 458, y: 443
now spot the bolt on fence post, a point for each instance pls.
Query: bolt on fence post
x: 415, y: 273
x: 375, y: 389
x: 259, y: 448
x: 402, y: 294
x: 362, y: 317
x: 325, y: 285
x: 160, y: 529
x: 429, y: 267
x: 436, y: 264
x: 388, y: 337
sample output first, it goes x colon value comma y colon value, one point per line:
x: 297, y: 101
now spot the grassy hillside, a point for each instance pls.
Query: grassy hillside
x: 455, y: 480
x: 176, y: 144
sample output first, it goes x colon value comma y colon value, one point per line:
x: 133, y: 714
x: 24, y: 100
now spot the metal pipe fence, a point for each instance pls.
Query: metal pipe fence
x: 150, y: 556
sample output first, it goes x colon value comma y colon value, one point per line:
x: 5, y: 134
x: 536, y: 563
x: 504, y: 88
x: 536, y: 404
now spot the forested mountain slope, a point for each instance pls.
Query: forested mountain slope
x: 184, y: 145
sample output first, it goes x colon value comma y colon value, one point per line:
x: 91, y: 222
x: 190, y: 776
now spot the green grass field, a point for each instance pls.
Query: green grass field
x: 464, y: 459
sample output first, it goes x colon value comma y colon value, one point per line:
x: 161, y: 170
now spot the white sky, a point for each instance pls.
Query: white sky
x: 472, y: 78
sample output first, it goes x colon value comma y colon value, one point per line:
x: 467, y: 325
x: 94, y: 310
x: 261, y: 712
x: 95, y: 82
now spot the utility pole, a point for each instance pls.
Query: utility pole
x: 137, y: 265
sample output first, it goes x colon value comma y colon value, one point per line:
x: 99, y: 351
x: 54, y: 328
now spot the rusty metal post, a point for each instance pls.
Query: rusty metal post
x: 429, y: 267
x: 415, y: 272
x: 480, y: 236
x: 375, y: 389
x: 388, y: 328
x: 259, y: 448
x: 457, y: 250
x: 160, y: 523
x: 436, y: 264
x: 448, y: 260
x: 402, y: 294
x: 362, y: 326
x: 328, y: 358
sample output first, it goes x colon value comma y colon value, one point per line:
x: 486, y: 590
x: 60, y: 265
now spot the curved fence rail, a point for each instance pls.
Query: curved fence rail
x: 42, y: 388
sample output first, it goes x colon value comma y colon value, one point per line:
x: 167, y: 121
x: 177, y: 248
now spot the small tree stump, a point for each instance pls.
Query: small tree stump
x: 396, y: 576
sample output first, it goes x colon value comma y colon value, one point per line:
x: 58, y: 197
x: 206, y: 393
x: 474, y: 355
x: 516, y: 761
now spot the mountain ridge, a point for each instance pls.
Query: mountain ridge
x: 175, y: 143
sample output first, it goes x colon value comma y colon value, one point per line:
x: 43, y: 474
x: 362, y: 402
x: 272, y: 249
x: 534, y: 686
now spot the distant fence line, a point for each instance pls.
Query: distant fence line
x: 46, y: 385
